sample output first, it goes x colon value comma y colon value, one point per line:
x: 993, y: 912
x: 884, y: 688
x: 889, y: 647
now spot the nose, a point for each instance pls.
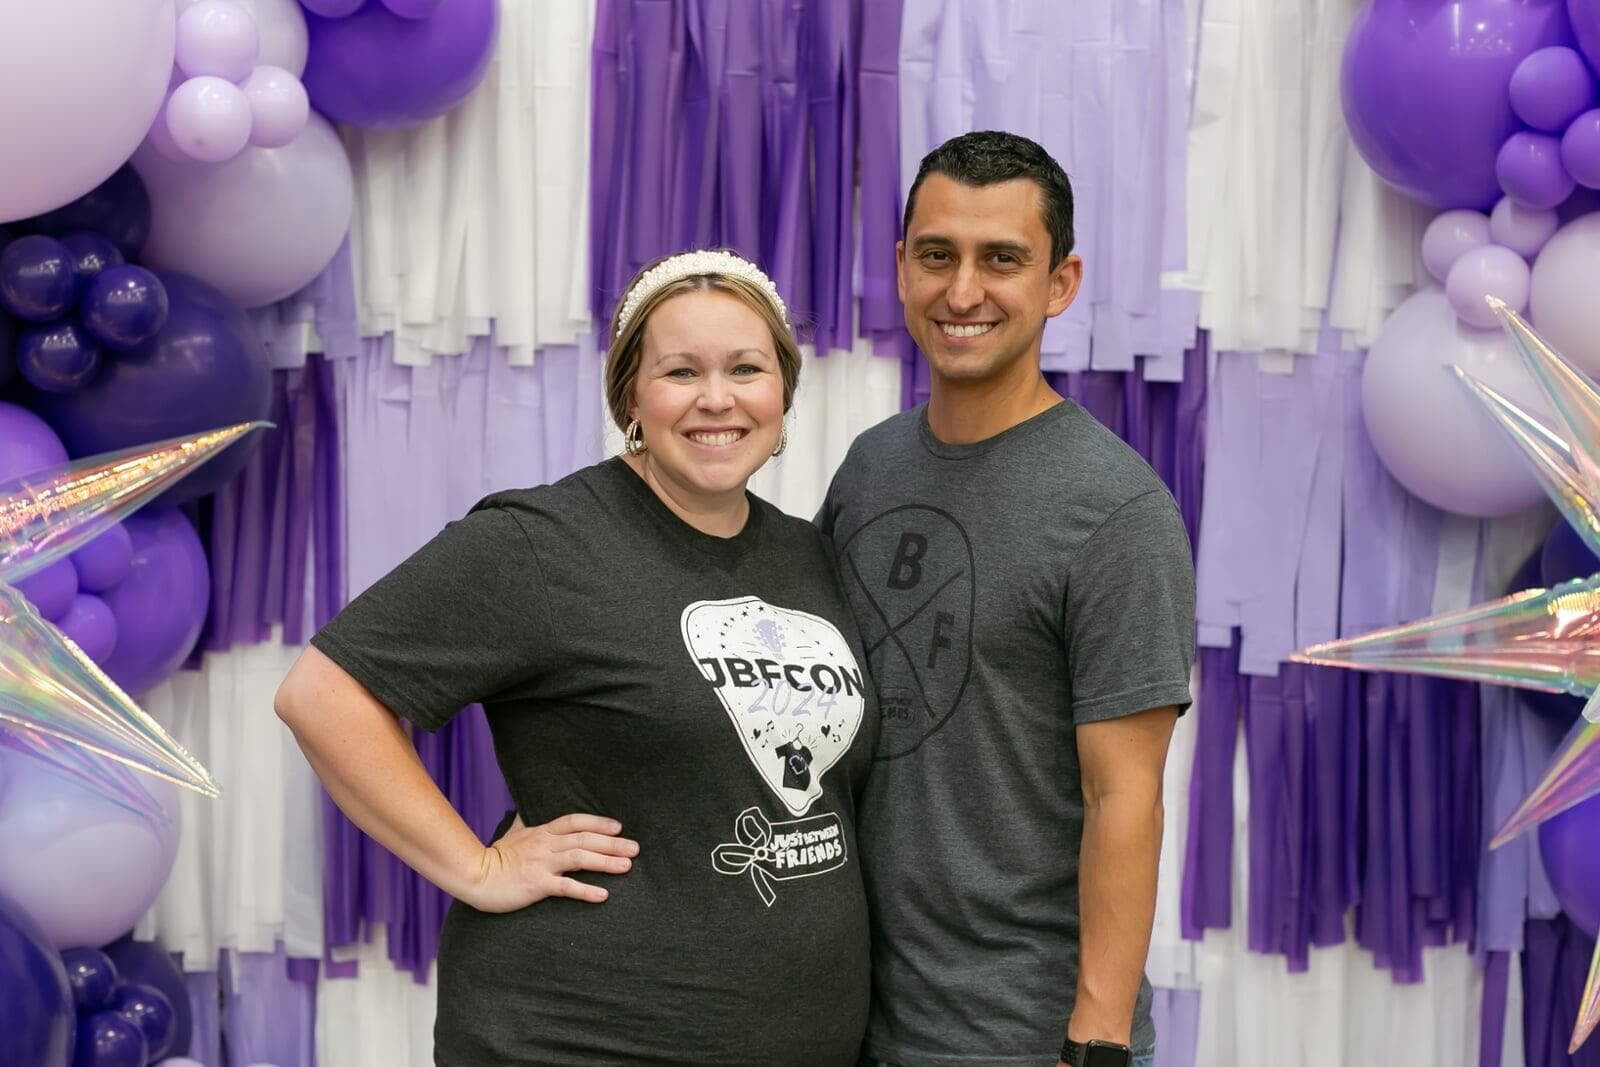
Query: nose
x: 716, y: 393
x: 966, y: 289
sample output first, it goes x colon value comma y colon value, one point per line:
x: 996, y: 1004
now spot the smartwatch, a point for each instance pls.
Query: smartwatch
x: 1096, y: 1054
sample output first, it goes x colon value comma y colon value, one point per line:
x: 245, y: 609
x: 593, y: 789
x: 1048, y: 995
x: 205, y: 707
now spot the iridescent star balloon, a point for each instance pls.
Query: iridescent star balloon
x: 49, y: 513
x: 1545, y: 639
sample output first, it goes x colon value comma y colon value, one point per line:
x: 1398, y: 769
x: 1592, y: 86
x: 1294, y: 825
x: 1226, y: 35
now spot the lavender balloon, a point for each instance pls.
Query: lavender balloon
x: 379, y: 70
x: 1552, y: 87
x: 209, y: 119
x: 59, y: 357
x: 1561, y: 302
x: 1521, y: 229
x: 217, y: 37
x: 278, y: 106
x: 1424, y: 90
x: 1492, y: 270
x: 1449, y: 236
x: 1529, y: 170
x: 1580, y: 149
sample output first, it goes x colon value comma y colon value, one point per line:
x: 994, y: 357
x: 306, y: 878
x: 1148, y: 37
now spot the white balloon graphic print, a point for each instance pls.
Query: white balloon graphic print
x: 790, y: 686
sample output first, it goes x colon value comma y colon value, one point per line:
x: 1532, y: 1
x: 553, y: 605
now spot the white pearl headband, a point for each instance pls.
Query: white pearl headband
x: 692, y: 265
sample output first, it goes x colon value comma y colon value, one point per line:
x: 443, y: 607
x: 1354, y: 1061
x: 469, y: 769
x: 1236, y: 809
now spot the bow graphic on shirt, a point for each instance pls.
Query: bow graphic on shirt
x: 780, y: 851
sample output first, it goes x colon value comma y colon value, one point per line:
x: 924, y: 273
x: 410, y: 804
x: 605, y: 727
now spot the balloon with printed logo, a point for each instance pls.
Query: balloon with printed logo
x: 58, y: 357
x: 82, y: 82
x: 124, y: 306
x: 1424, y: 90
x: 37, y: 283
x: 91, y: 254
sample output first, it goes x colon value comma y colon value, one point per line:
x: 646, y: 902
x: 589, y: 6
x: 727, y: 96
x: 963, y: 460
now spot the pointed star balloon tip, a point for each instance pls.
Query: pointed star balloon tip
x: 1496, y: 303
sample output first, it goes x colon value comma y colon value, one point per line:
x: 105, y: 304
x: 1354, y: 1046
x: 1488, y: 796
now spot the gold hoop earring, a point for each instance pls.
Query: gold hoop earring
x: 783, y: 441
x: 633, y: 438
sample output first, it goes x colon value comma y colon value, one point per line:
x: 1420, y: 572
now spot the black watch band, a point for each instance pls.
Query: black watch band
x: 1096, y: 1054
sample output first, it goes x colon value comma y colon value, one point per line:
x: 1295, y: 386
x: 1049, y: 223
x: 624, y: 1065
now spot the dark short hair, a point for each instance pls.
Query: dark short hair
x: 988, y: 157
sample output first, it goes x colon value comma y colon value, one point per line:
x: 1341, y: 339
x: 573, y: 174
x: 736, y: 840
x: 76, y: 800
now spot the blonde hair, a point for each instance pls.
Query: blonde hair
x: 627, y: 346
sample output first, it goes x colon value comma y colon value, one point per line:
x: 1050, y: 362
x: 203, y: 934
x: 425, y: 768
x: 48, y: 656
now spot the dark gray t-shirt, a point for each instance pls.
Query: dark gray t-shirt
x: 1008, y: 591
x: 705, y: 692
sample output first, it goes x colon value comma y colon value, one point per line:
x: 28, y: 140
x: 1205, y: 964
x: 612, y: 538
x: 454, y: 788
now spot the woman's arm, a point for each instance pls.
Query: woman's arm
x: 367, y: 763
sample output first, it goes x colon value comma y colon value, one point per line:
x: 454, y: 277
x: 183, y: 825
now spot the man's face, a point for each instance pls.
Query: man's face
x: 975, y: 278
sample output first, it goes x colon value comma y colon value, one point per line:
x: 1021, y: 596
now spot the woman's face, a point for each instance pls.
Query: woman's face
x: 708, y: 395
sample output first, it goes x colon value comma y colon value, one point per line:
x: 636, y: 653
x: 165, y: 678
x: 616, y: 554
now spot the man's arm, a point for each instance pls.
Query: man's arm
x: 1121, y: 762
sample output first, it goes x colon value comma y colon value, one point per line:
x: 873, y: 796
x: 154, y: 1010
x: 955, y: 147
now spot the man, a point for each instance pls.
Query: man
x: 1026, y: 596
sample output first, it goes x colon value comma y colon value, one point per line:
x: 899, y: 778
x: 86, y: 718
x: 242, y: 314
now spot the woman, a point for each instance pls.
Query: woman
x: 673, y: 682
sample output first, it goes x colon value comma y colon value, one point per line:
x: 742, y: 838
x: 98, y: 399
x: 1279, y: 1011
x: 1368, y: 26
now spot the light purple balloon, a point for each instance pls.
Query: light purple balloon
x: 1450, y: 234
x: 83, y: 80
x: 1492, y: 270
x: 1551, y: 87
x: 1529, y: 170
x: 1580, y: 149
x: 217, y: 37
x: 1427, y: 428
x: 160, y: 139
x: 209, y: 119
x: 413, y: 9
x: 278, y: 106
x: 90, y: 625
x: 332, y: 9
x: 1521, y: 229
x: 281, y: 27
x: 260, y: 226
x: 1562, y: 302
x: 83, y: 867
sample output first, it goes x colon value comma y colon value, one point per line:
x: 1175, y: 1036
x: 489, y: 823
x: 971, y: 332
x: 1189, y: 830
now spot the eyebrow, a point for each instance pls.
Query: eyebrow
x: 735, y: 353
x: 1016, y: 248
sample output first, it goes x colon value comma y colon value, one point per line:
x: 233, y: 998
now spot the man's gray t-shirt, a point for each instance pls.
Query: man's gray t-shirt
x: 707, y: 693
x: 1008, y: 591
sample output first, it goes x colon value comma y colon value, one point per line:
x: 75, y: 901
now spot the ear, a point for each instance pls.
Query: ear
x: 1064, y: 282
x: 900, y: 270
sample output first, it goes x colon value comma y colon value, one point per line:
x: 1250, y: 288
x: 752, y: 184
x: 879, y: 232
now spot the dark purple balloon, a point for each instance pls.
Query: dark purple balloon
x: 124, y: 307
x: 92, y: 976
x: 206, y: 368
x: 1530, y: 171
x: 147, y: 963
x: 88, y: 621
x: 1558, y: 708
x: 1565, y: 556
x: 333, y: 9
x: 118, y: 207
x: 1424, y: 90
x: 106, y: 1039
x: 105, y: 561
x: 413, y: 9
x: 37, y: 1018
x: 8, y: 342
x: 36, y: 278
x: 161, y: 605
x: 50, y: 590
x: 58, y: 357
x: 91, y: 254
x: 1567, y: 845
x: 379, y: 70
x: 149, y: 1009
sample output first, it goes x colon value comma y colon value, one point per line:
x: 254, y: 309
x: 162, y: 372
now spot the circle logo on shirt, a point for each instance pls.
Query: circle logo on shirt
x: 909, y: 576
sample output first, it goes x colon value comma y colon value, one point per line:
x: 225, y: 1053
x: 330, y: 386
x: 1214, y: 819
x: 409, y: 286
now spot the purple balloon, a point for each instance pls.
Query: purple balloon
x: 1565, y: 555
x: 91, y: 254
x: 1449, y: 236
x: 8, y: 342
x: 37, y: 1019
x: 378, y: 70
x: 105, y: 561
x: 50, y: 590
x: 1571, y: 860
x: 106, y: 1039
x: 1424, y: 90
x: 161, y: 605
x: 124, y: 307
x: 27, y: 443
x: 1585, y: 19
x: 1529, y: 170
x: 1580, y: 149
x: 1521, y: 229
x: 118, y: 207
x: 217, y: 37
x: 1483, y: 272
x: 151, y: 1011
x: 205, y: 369
x: 1552, y: 87
x: 92, y: 976
x: 413, y: 9
x: 36, y: 279
x: 147, y: 963
x: 278, y: 106
x: 59, y: 357
x: 332, y: 9
x: 88, y: 621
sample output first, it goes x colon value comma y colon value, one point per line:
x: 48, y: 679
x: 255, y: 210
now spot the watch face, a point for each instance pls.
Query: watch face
x: 1096, y: 1054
